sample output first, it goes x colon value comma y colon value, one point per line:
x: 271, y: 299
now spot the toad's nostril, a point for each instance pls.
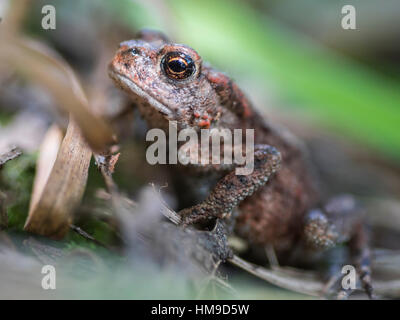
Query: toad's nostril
x: 131, y: 51
x: 134, y: 51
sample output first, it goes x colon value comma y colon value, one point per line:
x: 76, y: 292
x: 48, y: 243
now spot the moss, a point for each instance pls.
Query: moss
x: 16, y: 179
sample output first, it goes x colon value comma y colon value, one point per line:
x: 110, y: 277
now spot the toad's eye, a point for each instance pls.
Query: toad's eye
x: 177, y: 65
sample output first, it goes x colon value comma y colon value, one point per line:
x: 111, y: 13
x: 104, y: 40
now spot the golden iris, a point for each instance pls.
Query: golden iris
x: 177, y: 65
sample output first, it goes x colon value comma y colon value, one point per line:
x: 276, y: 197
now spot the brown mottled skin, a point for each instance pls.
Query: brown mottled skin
x: 276, y: 203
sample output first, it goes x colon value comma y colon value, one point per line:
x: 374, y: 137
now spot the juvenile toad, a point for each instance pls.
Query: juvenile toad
x: 277, y: 204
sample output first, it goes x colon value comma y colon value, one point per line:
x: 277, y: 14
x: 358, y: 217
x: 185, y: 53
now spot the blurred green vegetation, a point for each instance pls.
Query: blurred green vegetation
x: 17, y: 179
x: 341, y: 93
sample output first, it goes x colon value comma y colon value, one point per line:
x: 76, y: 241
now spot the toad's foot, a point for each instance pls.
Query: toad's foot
x: 341, y: 221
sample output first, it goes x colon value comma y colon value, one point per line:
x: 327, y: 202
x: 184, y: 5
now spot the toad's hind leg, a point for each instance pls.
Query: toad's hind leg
x: 341, y: 220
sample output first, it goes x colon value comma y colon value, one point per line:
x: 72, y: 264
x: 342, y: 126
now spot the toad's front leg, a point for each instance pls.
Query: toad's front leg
x: 233, y: 188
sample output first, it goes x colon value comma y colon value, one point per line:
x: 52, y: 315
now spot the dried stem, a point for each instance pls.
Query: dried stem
x: 309, y: 286
x: 13, y: 153
x: 64, y: 188
x: 87, y: 236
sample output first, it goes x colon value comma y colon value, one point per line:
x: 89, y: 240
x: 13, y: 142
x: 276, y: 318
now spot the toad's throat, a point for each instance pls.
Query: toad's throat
x: 133, y: 89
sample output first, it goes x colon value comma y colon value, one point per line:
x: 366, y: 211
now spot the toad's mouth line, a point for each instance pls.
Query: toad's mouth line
x: 134, y: 89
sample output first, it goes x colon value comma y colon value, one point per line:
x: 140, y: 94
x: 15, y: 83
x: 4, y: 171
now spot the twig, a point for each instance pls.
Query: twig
x: 106, y: 163
x: 9, y: 155
x: 87, y: 236
x: 308, y: 286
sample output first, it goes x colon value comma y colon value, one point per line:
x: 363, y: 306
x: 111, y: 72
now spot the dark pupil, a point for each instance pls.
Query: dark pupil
x: 178, y: 66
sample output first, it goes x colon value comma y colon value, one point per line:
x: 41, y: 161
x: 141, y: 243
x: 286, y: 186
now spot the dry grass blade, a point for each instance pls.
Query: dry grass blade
x: 49, y: 70
x: 54, y: 202
x: 47, y: 157
x: 165, y: 210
